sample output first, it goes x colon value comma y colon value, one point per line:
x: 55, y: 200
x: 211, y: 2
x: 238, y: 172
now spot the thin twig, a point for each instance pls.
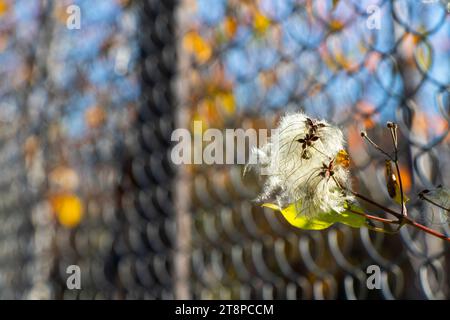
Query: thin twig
x: 356, y: 194
x: 402, y: 219
x: 394, y: 213
x: 393, y: 129
x: 426, y: 229
x: 365, y: 136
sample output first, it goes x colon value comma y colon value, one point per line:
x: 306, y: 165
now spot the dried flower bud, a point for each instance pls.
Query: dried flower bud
x: 391, y: 180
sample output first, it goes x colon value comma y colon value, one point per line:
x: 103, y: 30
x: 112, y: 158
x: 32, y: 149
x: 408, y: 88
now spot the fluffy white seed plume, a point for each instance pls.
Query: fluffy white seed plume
x: 324, y: 192
x: 305, y: 163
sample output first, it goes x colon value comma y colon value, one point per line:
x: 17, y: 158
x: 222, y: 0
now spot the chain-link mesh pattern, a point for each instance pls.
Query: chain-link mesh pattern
x: 357, y: 63
x: 85, y: 128
x: 86, y: 118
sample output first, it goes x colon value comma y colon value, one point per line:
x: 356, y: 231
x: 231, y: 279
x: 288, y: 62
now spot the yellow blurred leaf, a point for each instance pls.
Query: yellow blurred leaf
x: 4, y: 7
x: 260, y: 22
x: 227, y: 102
x: 336, y: 25
x: 68, y: 209
x: 194, y: 43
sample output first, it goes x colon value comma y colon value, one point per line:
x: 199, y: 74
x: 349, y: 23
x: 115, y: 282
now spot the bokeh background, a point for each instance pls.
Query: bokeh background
x: 86, y: 118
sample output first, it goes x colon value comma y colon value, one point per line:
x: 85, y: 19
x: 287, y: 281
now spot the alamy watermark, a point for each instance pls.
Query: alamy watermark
x: 374, y: 19
x: 214, y: 146
x: 374, y: 277
x: 74, y: 17
x: 73, y: 281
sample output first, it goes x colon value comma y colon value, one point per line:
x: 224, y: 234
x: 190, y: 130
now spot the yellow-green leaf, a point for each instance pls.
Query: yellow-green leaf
x: 423, y: 54
x: 320, y: 221
x: 352, y: 219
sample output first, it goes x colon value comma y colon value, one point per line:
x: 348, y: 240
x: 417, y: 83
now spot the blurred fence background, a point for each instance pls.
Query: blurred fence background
x: 86, y: 118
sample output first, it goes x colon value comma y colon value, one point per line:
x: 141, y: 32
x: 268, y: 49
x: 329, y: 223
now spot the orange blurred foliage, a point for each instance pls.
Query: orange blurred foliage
x: 95, y: 117
x: 4, y: 7
x: 406, y: 178
x: 195, y: 44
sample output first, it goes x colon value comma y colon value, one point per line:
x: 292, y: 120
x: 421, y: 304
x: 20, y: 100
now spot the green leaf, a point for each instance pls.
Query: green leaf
x: 320, y: 221
x: 352, y: 219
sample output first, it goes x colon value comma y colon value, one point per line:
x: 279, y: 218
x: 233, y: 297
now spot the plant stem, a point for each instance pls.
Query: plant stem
x: 401, y: 218
x: 394, y: 213
x: 371, y: 217
x: 364, y: 135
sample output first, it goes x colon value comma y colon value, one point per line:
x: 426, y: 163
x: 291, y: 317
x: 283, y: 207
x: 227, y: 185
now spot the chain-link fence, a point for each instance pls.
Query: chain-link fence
x: 358, y: 63
x: 86, y: 118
